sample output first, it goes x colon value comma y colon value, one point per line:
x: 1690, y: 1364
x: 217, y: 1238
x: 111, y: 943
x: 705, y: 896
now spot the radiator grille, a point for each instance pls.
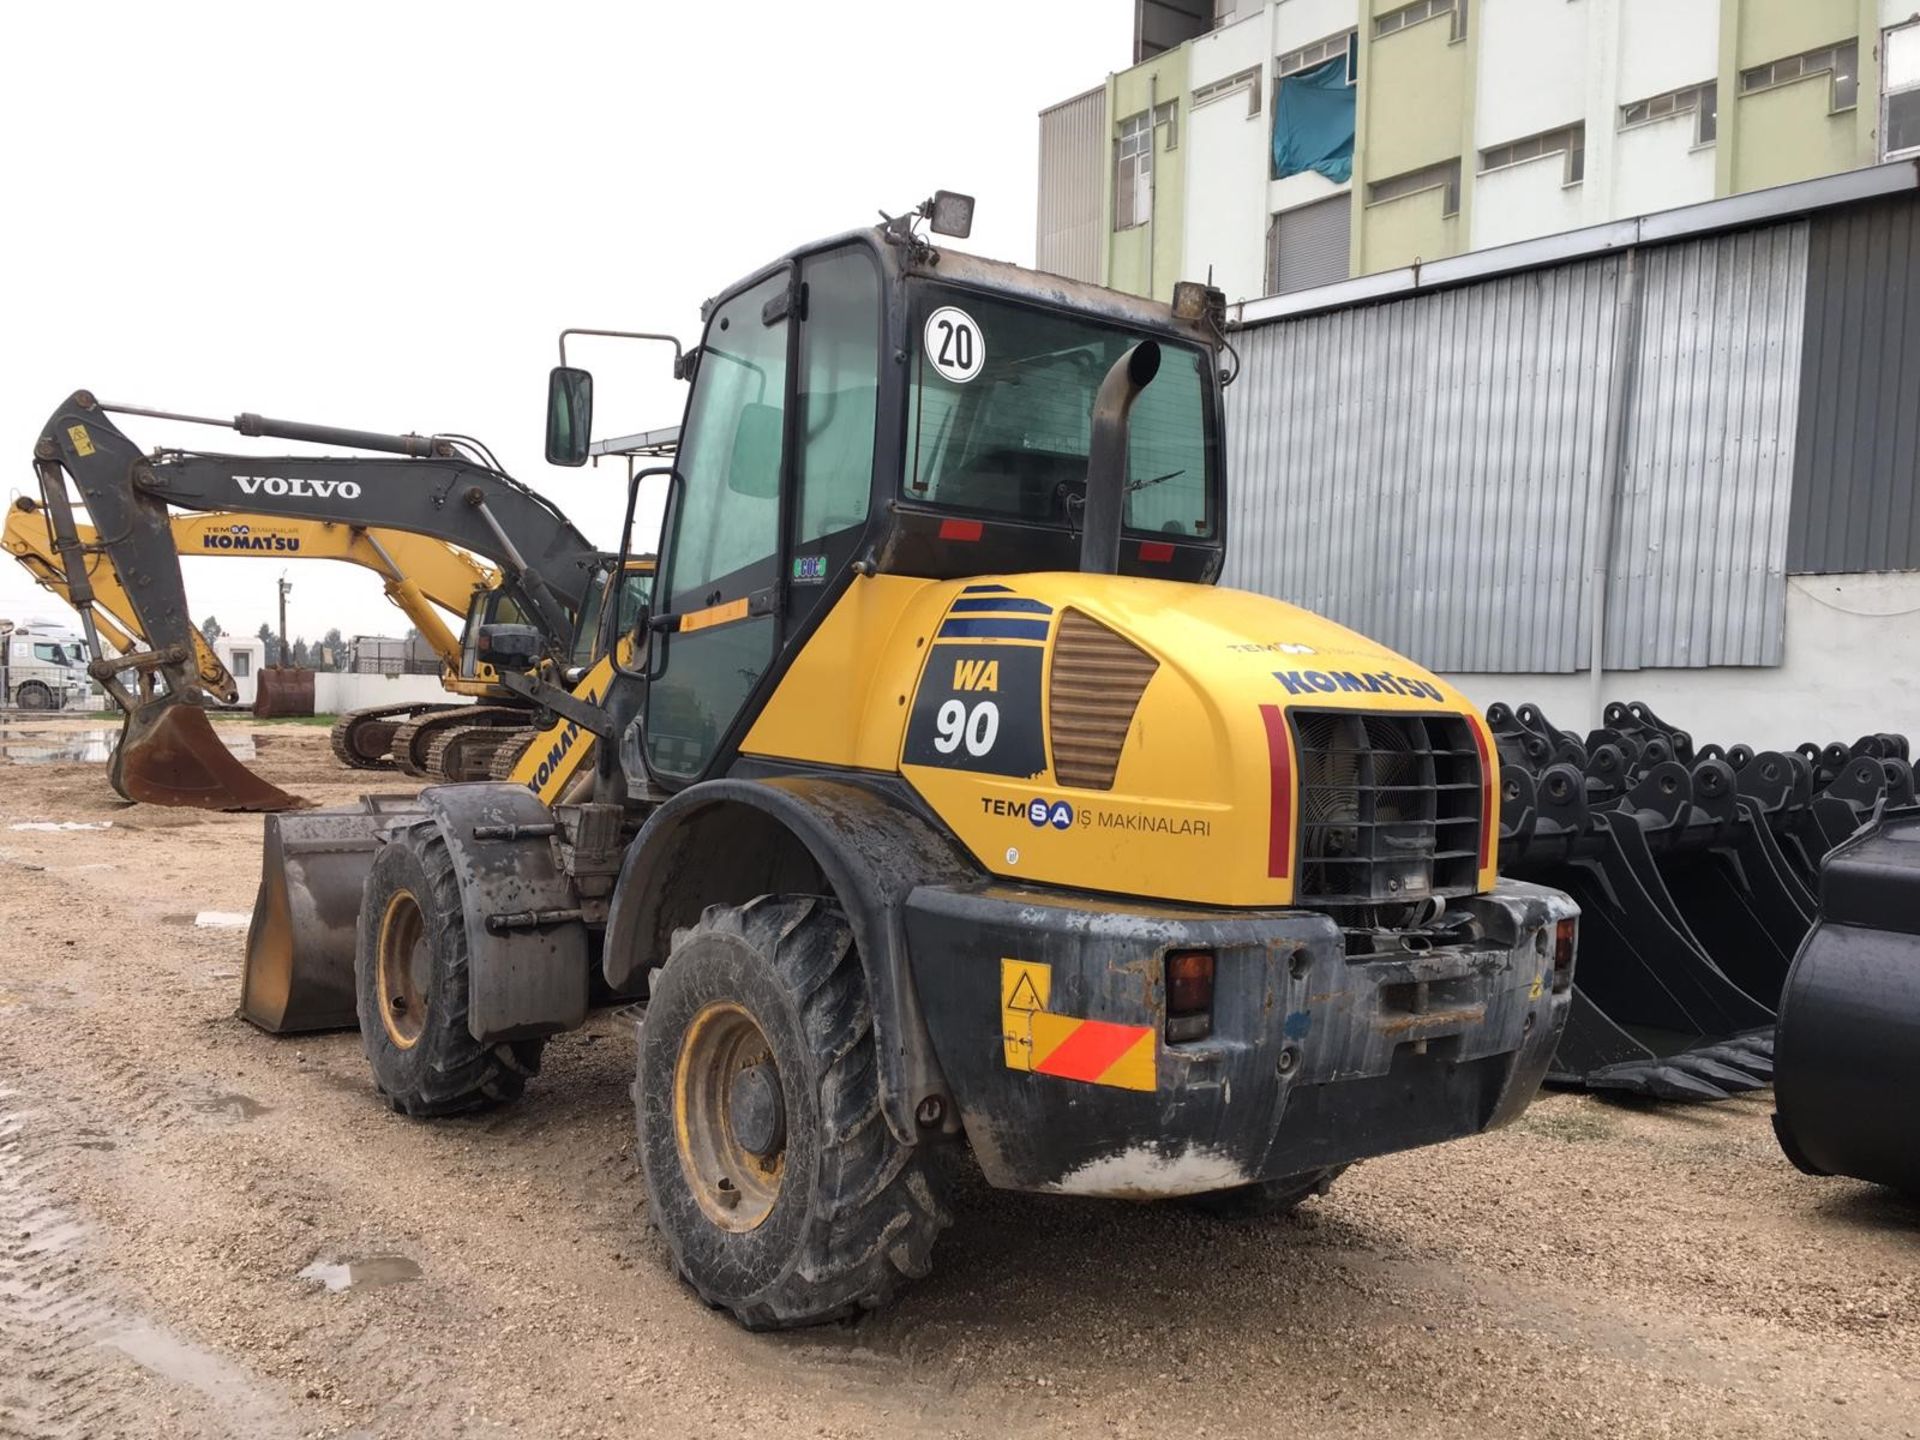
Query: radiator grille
x: 1389, y: 807
x: 1098, y: 678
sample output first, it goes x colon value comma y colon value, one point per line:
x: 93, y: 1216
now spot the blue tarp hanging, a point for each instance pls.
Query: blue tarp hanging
x: 1313, y: 123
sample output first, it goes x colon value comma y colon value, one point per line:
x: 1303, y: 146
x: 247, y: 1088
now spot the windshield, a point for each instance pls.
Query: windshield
x: 52, y: 654
x: 1000, y: 417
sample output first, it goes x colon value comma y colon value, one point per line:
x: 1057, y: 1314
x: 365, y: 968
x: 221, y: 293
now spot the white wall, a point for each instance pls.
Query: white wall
x: 1897, y: 12
x: 1228, y: 162
x: 1657, y: 166
x: 1300, y: 22
x: 335, y: 692
x: 226, y: 647
x: 1525, y: 200
x: 1533, y: 68
x: 1852, y: 668
x: 1666, y: 44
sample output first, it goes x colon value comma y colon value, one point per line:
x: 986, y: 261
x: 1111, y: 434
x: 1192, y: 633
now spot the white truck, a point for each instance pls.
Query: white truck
x: 41, y: 668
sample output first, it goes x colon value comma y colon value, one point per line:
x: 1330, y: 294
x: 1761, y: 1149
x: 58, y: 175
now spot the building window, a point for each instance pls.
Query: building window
x: 1700, y: 101
x: 242, y: 664
x: 1249, y: 80
x: 1444, y: 177
x: 1133, y: 163
x: 1841, y: 61
x: 1308, y: 245
x: 1346, y: 44
x: 1133, y: 173
x: 1397, y: 20
x: 1570, y: 141
x: 1900, y: 71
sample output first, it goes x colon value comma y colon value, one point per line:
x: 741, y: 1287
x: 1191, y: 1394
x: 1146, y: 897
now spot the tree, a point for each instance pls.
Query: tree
x: 210, y: 628
x: 301, y: 659
x: 272, y: 655
x: 333, y: 646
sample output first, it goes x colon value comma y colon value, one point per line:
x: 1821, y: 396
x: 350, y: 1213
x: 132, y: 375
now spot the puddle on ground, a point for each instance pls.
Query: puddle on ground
x: 230, y: 1103
x: 61, y: 825
x: 222, y: 920
x: 91, y: 746
x: 364, y: 1274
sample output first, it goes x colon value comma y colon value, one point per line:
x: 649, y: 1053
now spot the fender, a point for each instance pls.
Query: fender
x: 872, y: 851
x: 525, y: 939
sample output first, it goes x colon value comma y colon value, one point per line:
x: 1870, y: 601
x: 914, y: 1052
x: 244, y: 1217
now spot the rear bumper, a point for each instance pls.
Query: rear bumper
x: 1314, y: 1059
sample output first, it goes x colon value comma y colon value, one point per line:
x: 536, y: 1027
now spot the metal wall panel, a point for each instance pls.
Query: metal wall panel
x: 1073, y: 183
x: 1431, y: 471
x: 1857, y: 463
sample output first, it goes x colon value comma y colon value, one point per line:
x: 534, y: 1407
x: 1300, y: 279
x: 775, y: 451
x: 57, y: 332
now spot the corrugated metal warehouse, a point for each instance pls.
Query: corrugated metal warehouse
x: 1697, y: 431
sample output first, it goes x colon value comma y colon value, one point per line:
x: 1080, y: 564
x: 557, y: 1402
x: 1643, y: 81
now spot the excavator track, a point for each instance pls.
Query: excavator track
x: 467, y: 752
x: 413, y: 741
x: 363, y: 739
x: 507, y: 756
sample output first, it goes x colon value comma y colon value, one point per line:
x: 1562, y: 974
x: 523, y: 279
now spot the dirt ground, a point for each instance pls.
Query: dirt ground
x: 167, y: 1173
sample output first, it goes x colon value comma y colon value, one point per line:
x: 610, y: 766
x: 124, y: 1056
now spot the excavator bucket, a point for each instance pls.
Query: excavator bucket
x: 1688, y: 869
x: 169, y: 755
x: 1847, y: 1056
x: 299, y: 967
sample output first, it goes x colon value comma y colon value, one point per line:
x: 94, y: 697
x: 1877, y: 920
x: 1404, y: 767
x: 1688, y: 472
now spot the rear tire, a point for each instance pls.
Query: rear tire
x: 410, y: 987
x: 770, y: 1171
x: 1265, y: 1198
x: 33, y: 696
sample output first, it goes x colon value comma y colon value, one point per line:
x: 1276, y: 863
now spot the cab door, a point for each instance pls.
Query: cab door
x: 719, y: 564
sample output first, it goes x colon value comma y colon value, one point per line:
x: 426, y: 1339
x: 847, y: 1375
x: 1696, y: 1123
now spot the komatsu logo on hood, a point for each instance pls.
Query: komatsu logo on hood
x: 300, y: 486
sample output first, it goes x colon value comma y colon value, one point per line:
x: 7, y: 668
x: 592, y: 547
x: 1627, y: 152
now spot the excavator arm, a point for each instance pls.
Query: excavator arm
x: 428, y: 486
x: 421, y: 576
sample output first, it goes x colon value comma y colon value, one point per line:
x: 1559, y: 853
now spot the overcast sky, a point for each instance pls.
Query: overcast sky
x: 381, y: 215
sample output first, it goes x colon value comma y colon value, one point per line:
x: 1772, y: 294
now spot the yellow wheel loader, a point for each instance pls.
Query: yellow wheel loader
x: 951, y: 807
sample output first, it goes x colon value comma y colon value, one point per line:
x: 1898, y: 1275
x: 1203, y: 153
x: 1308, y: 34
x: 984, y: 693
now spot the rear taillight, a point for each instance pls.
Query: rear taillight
x: 1189, y: 994
x: 1563, y: 938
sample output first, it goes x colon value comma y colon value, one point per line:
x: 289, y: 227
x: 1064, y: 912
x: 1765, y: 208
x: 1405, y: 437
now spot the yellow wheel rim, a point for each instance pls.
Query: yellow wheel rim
x: 735, y: 1187
x: 404, y: 970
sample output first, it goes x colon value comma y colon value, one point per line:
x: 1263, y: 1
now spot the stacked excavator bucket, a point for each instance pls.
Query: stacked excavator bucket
x: 1695, y: 873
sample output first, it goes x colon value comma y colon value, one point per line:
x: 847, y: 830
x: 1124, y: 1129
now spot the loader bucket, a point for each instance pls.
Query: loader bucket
x: 1847, y: 1057
x: 169, y: 755
x: 299, y: 967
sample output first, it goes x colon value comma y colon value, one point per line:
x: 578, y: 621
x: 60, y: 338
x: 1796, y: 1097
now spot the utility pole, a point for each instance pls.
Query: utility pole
x: 285, y: 654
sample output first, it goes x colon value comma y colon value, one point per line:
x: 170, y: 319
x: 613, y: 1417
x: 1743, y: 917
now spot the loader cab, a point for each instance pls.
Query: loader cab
x: 870, y: 405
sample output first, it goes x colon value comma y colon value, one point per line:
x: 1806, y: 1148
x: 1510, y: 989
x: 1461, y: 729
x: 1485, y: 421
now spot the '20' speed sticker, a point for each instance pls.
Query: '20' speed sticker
x: 955, y: 346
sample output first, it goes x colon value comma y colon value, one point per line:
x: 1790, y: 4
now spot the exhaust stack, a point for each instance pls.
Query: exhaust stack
x: 1107, y: 457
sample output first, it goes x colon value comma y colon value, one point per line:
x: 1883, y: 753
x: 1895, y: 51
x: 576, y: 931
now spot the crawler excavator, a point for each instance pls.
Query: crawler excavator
x: 948, y: 806
x: 422, y: 576
x: 439, y: 491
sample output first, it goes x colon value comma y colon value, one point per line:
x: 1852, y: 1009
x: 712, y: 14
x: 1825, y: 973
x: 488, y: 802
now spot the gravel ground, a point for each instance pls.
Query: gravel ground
x: 167, y: 1173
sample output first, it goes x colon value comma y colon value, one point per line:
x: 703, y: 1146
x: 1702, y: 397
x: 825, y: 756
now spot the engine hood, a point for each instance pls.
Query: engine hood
x: 1109, y: 733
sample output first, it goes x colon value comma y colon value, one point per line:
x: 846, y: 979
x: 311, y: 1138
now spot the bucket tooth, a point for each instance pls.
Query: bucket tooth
x: 169, y: 755
x: 299, y: 967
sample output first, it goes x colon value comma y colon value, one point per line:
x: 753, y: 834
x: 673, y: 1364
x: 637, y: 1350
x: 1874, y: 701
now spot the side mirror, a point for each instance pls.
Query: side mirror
x: 569, y: 415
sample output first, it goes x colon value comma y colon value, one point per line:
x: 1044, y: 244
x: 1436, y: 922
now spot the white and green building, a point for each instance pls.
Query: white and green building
x: 1285, y: 144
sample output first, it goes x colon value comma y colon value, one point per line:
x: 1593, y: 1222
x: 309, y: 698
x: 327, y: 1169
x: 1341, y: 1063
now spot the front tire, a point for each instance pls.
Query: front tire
x: 770, y: 1171
x: 411, y: 966
x: 33, y: 696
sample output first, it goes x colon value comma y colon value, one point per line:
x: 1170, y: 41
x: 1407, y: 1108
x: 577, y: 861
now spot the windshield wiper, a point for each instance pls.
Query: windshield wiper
x: 1133, y: 485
